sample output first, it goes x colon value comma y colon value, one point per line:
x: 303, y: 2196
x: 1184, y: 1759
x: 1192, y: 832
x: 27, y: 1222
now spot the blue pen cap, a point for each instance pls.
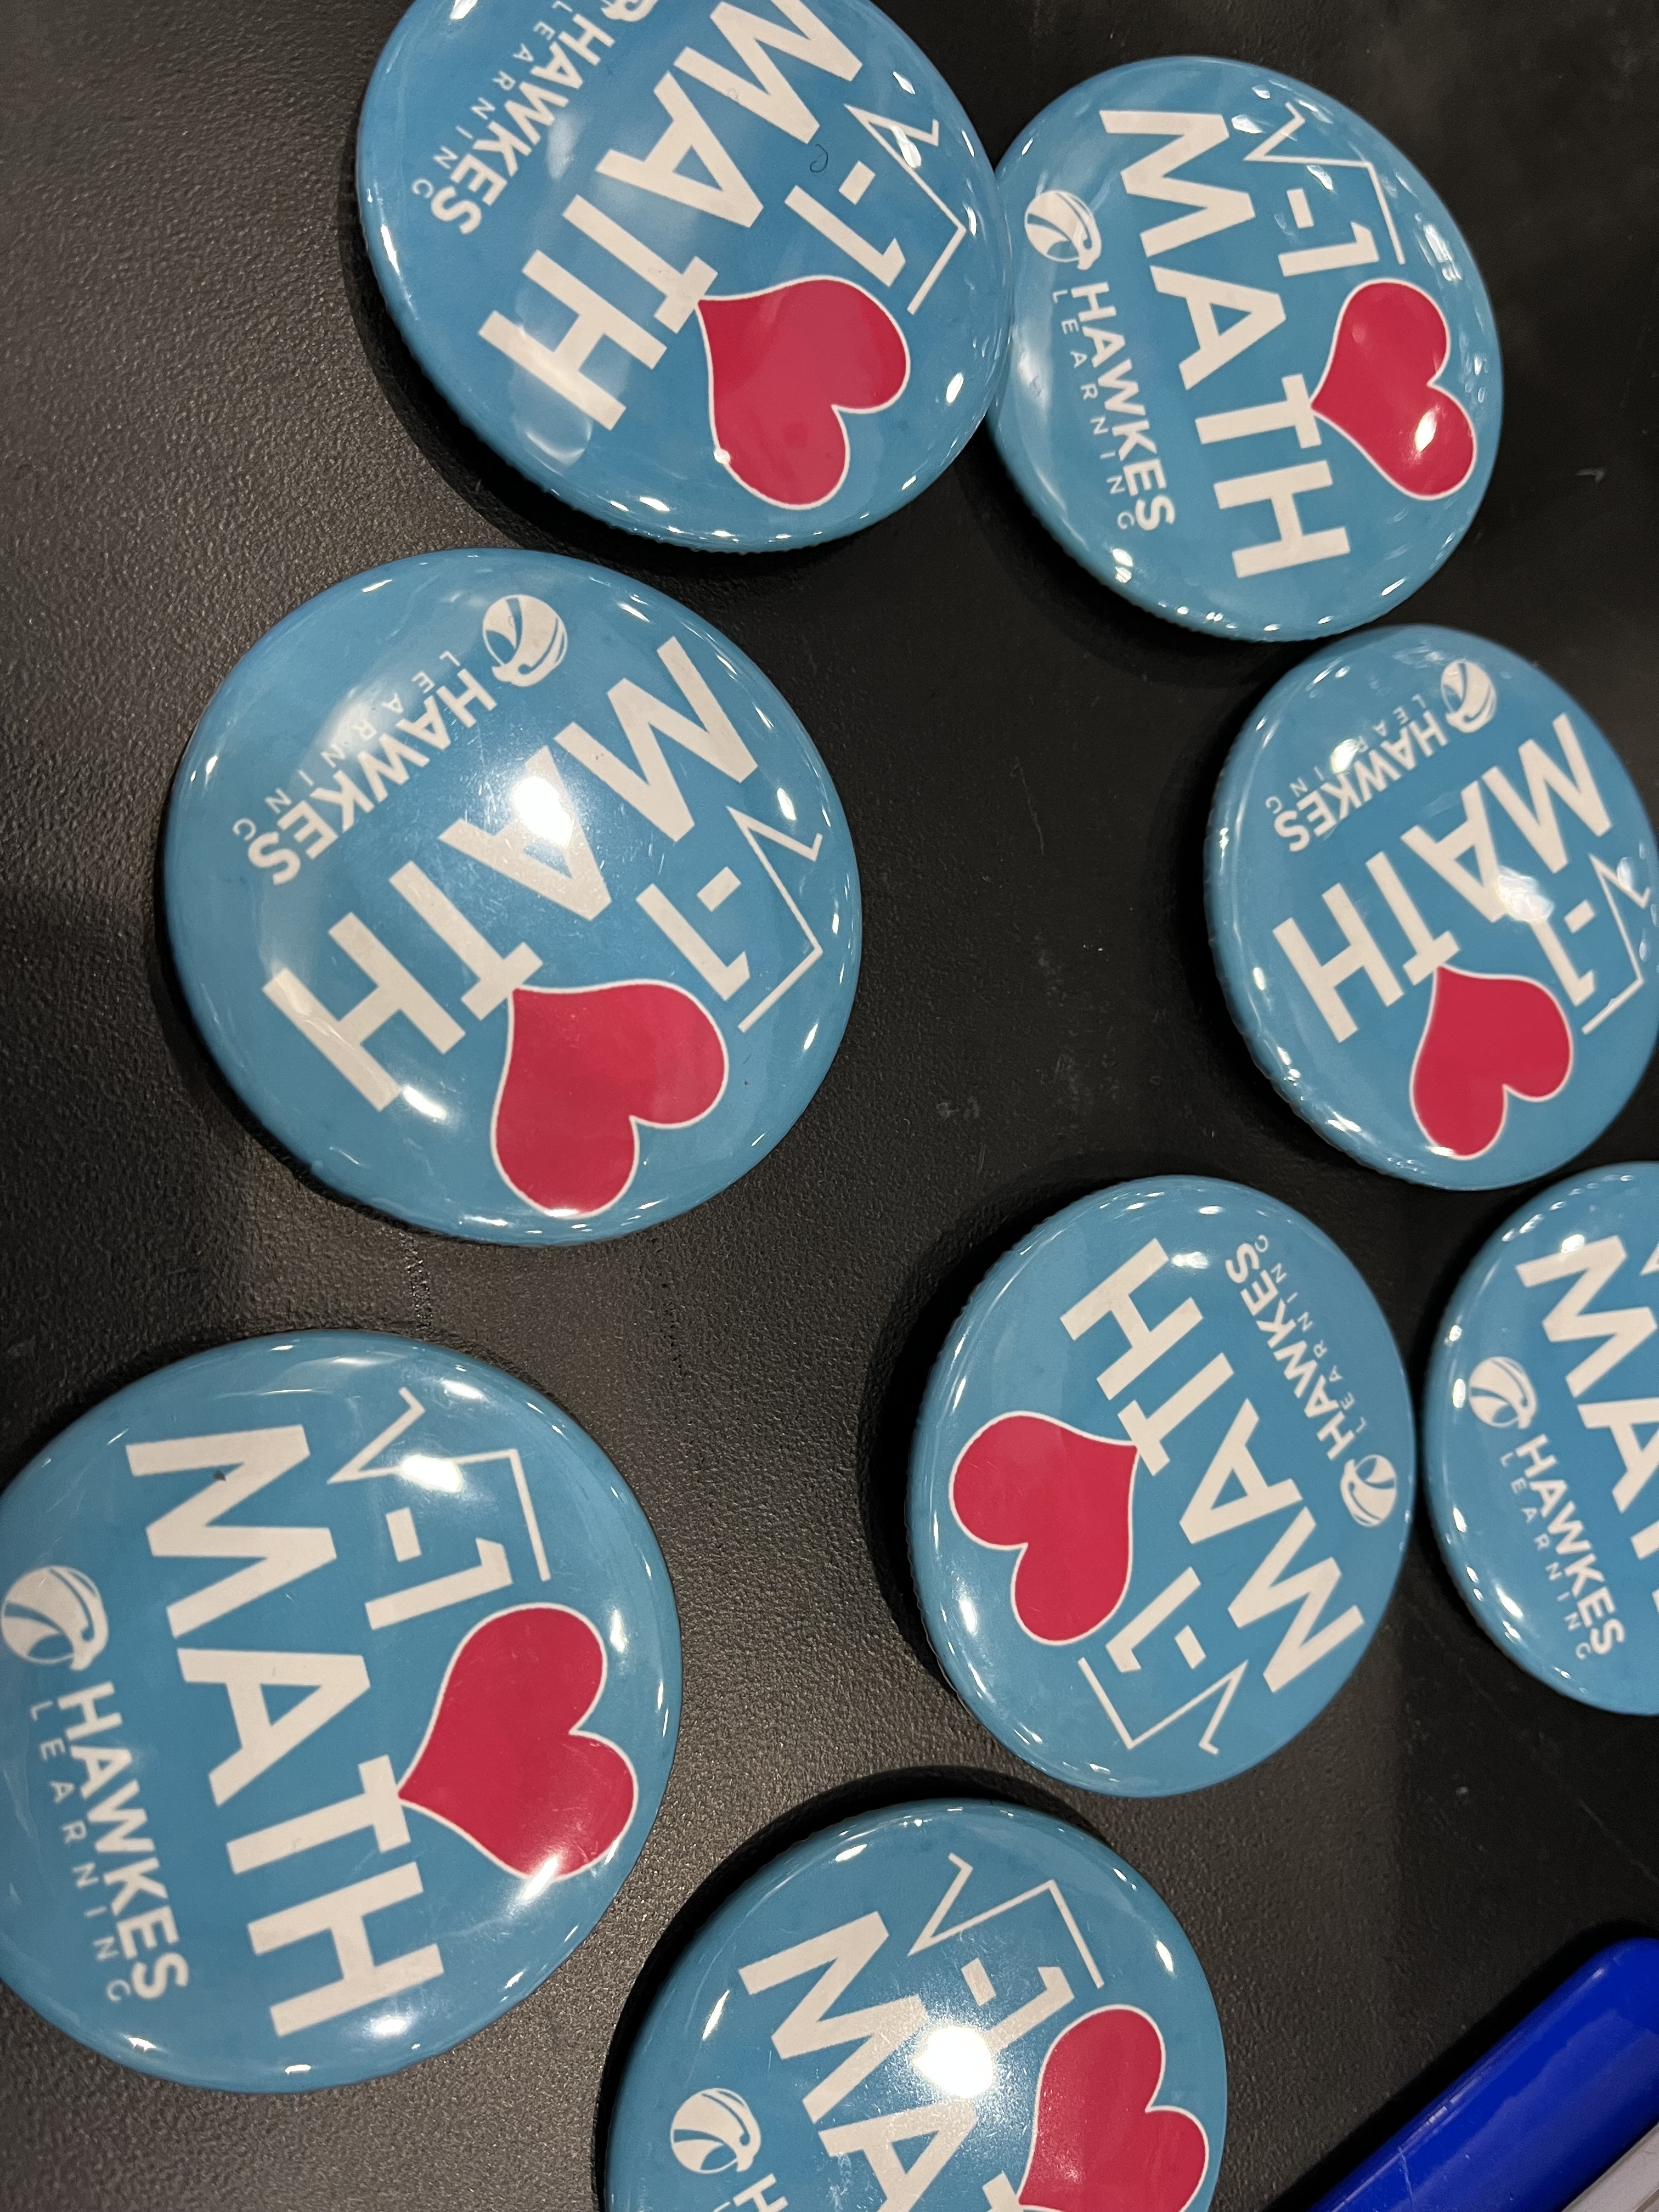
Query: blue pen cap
x: 1542, y: 2114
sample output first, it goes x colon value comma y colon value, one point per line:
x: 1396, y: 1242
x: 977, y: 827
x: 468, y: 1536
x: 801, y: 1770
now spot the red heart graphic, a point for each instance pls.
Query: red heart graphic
x: 1063, y: 1497
x: 1098, y: 2141
x: 504, y: 1761
x: 584, y: 1069
x: 1378, y: 389
x: 784, y: 368
x: 1485, y: 1037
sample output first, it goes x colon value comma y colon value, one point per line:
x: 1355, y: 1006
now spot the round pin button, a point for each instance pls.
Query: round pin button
x: 1025, y: 2024
x: 1253, y: 380
x: 339, y: 1680
x: 512, y: 897
x: 1430, y: 889
x: 1540, y: 1439
x: 737, y: 280
x: 1160, y: 1486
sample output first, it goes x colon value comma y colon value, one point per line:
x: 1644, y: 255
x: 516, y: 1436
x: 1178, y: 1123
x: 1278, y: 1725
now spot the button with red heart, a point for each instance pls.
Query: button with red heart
x: 1160, y: 1489
x: 1430, y: 886
x: 510, y: 896
x: 1553, y: 1333
x: 1255, y: 382
x: 378, y: 1666
x: 729, y: 279
x: 1029, y: 2031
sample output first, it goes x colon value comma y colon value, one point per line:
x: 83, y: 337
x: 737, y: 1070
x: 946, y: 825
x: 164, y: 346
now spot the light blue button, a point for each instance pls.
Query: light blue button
x: 339, y: 1680
x: 967, y: 2003
x: 1253, y: 380
x: 1430, y: 885
x: 734, y: 277
x: 1540, y: 1439
x: 512, y: 897
x: 1161, y: 1485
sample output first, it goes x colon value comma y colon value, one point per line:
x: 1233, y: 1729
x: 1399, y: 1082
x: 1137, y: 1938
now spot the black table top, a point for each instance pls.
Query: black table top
x: 207, y: 420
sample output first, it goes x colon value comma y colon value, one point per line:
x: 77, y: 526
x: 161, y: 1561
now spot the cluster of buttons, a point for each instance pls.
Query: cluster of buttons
x: 517, y: 903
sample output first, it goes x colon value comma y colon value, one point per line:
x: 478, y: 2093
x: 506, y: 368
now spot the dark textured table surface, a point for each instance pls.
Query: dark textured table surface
x: 206, y: 419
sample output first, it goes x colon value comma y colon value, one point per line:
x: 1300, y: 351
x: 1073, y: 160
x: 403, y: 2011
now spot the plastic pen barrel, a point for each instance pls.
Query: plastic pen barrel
x: 1544, y: 2113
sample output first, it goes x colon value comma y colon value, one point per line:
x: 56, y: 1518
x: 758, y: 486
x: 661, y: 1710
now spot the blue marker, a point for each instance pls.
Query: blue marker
x: 1544, y: 2112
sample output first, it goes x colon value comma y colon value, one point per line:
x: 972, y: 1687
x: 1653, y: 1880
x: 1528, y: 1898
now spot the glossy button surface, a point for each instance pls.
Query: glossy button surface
x: 1160, y: 1487
x: 1540, y: 1439
x: 1430, y: 891
x: 738, y: 279
x: 1253, y: 378
x: 1026, y: 2025
x: 512, y: 897
x: 339, y: 1679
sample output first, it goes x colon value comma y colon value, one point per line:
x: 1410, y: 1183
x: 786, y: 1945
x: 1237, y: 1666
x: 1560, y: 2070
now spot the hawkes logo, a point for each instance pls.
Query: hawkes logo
x: 526, y: 638
x: 1062, y: 228
x: 1501, y: 1395
x: 54, y: 1614
x: 1370, y: 1488
x: 1467, y: 694
x: 714, y: 2132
